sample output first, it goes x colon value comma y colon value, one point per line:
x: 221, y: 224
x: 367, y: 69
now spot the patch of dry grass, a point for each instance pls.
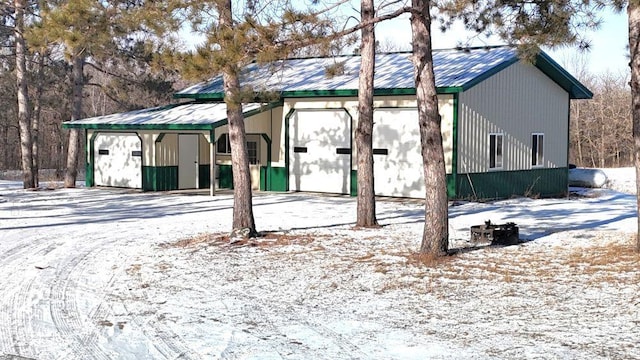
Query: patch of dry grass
x: 264, y: 241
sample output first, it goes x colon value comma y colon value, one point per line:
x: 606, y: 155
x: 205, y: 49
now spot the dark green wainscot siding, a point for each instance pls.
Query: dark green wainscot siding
x: 504, y: 184
x: 273, y: 178
x: 204, y: 176
x: 225, y: 177
x: 159, y: 178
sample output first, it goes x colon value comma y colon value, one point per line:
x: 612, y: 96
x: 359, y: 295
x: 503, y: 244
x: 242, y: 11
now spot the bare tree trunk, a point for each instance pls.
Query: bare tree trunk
x: 435, y: 238
x: 366, y: 212
x: 35, y: 121
x: 633, y: 12
x: 73, y: 148
x: 243, y: 221
x: 23, y: 98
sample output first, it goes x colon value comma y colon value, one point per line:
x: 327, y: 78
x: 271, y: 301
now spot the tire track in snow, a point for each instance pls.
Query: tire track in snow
x: 164, y: 340
x: 290, y: 316
x: 80, y: 329
x: 15, y: 292
x: 20, y: 321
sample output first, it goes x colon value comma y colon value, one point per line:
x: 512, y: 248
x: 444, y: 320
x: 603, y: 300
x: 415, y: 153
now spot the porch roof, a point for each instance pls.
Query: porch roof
x: 185, y: 116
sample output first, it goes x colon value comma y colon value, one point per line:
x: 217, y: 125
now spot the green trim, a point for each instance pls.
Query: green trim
x: 174, y: 127
x: 277, y: 178
x: 487, y: 74
x: 505, y: 184
x: 203, y: 96
x: 558, y: 74
x: 452, y: 188
x: 159, y: 178
x: 268, y: 171
x: 89, y: 180
x: 354, y: 183
x: 286, y: 145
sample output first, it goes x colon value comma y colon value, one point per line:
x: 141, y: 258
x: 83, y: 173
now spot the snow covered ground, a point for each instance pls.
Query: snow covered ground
x: 115, y: 274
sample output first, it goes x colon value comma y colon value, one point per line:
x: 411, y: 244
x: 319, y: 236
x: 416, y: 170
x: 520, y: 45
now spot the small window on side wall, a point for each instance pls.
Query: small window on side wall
x: 495, y: 150
x: 537, y: 149
x: 222, y: 145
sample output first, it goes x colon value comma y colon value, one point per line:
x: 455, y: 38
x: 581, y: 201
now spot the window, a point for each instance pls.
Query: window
x: 252, y: 148
x: 223, y: 146
x: 537, y: 149
x: 495, y: 151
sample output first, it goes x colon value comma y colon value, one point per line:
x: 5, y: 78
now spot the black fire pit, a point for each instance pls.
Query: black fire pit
x: 504, y: 234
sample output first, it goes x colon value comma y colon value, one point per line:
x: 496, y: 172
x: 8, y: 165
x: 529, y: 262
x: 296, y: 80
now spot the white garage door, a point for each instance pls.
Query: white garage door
x: 397, y: 158
x: 320, y: 151
x: 118, y: 160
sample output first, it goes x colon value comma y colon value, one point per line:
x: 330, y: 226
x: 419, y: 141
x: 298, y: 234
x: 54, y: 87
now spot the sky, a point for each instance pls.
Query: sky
x: 608, y: 44
x: 608, y: 52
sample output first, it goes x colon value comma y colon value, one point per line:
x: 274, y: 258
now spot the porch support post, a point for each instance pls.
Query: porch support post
x: 212, y: 167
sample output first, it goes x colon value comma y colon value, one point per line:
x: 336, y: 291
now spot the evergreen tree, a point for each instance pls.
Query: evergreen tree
x: 235, y: 36
x: 366, y: 207
x: 24, y: 119
x: 94, y: 30
x: 633, y: 12
x: 435, y: 237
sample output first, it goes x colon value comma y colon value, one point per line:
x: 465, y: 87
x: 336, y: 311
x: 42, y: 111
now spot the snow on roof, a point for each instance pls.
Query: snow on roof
x: 454, y: 68
x: 195, y: 115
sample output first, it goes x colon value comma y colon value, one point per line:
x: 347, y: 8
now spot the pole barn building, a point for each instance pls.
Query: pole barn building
x: 505, y: 127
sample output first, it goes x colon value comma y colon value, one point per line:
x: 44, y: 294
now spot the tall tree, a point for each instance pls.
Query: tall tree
x: 366, y: 207
x: 435, y: 237
x: 73, y: 146
x: 237, y: 34
x: 243, y: 219
x: 35, y: 114
x: 89, y: 29
x: 633, y: 12
x: 24, y: 119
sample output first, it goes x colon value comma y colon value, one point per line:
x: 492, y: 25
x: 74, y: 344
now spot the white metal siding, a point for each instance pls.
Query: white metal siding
x: 399, y: 172
x: 316, y: 166
x: 518, y: 101
x: 118, y: 160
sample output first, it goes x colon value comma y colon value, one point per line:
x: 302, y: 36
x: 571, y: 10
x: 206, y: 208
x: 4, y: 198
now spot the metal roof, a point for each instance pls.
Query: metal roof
x: 187, y: 116
x: 455, y: 70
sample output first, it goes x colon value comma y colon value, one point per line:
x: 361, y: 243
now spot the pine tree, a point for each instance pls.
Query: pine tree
x: 24, y: 119
x: 435, y: 237
x: 633, y: 12
x: 236, y: 36
x: 366, y: 207
x: 95, y: 30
